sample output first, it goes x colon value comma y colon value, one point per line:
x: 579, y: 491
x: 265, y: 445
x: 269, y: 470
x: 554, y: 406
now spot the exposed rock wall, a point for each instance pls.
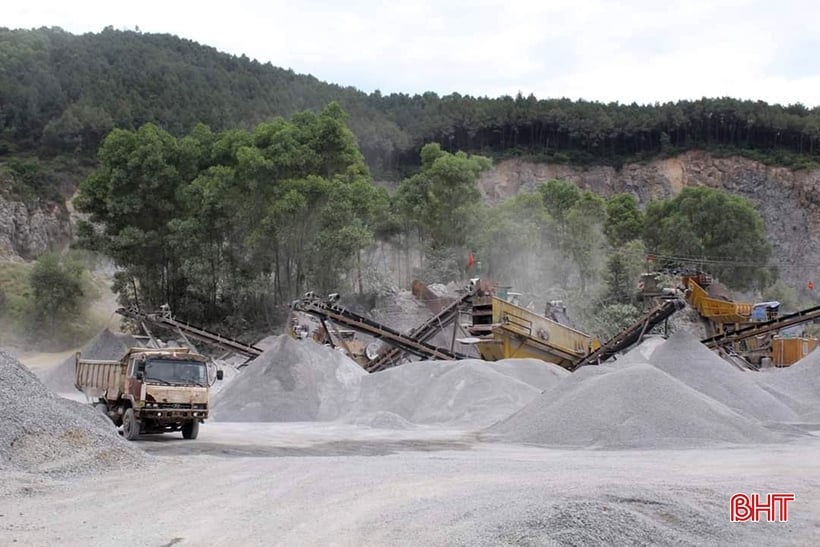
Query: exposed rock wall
x: 788, y: 201
x: 28, y: 230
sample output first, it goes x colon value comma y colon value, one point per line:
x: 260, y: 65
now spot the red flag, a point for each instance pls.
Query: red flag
x: 470, y: 261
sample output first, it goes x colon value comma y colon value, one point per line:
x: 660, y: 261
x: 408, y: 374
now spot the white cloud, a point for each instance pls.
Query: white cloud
x: 632, y: 50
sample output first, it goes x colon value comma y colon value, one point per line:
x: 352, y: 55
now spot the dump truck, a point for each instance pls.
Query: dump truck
x: 149, y: 390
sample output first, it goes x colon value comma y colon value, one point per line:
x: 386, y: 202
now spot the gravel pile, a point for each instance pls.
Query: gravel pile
x: 534, y: 372
x: 292, y: 381
x: 636, y: 406
x: 41, y: 432
x: 106, y: 345
x: 468, y: 393
x: 797, y: 385
x: 685, y: 358
x: 229, y: 373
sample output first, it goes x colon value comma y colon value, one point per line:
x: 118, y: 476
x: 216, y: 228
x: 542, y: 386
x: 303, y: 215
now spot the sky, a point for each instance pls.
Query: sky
x: 617, y: 50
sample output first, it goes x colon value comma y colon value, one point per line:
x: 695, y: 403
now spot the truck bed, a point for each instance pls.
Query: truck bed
x: 104, y: 379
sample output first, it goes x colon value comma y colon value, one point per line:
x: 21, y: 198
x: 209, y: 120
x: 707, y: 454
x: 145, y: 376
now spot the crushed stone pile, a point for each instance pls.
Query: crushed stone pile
x: 229, y: 373
x: 637, y: 406
x: 106, y: 345
x: 468, y: 393
x: 797, y: 385
x: 639, y: 354
x: 685, y: 358
x: 535, y: 372
x: 292, y: 381
x: 44, y: 433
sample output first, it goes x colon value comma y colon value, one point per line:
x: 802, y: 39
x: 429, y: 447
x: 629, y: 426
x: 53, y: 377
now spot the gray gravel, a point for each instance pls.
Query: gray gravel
x: 797, y: 385
x: 41, y: 432
x: 106, y: 345
x: 468, y: 393
x: 291, y: 381
x: 685, y: 358
x: 482, y: 494
x: 637, y: 406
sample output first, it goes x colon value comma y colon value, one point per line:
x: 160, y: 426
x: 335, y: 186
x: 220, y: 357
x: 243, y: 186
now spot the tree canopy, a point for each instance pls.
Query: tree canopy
x: 229, y: 224
x: 441, y: 198
x: 724, y: 231
x: 62, y: 93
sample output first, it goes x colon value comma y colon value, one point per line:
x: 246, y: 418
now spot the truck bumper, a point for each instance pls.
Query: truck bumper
x: 171, y: 414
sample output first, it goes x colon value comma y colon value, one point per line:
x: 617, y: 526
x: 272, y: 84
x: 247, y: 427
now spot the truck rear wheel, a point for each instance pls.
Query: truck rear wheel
x: 130, y: 425
x: 190, y: 430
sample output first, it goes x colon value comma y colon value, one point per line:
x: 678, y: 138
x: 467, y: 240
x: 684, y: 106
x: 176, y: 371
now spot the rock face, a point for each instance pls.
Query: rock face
x: 28, y: 230
x: 788, y: 200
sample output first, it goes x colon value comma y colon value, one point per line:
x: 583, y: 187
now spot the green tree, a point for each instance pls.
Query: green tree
x: 440, y: 199
x: 134, y: 195
x: 623, y: 270
x: 624, y: 221
x: 57, y: 291
x: 584, y: 240
x: 712, y: 229
x: 231, y: 224
x: 514, y: 243
x: 559, y: 197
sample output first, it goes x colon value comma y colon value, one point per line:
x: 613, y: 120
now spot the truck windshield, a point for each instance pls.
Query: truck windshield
x: 171, y: 371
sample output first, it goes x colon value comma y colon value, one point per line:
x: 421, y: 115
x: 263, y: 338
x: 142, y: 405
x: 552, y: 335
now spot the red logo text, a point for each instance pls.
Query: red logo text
x: 754, y: 508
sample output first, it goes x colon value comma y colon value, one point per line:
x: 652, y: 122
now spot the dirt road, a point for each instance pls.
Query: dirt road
x: 328, y: 484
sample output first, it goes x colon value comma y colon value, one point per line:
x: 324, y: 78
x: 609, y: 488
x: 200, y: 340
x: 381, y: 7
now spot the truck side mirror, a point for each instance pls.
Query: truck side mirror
x: 219, y: 374
x: 140, y: 374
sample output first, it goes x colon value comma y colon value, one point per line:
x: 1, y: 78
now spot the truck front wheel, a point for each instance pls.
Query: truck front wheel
x: 130, y: 425
x: 190, y: 430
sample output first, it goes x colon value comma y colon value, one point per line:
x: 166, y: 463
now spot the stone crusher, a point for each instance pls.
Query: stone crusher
x: 802, y: 346
x: 391, y: 355
x: 746, y: 330
x: 504, y: 330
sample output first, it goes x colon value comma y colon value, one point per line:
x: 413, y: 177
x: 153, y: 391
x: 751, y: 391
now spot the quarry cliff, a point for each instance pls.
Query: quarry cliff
x: 787, y: 200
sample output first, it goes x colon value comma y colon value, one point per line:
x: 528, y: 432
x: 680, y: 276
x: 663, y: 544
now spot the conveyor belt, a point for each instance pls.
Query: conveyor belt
x: 631, y: 334
x: 198, y: 333
x: 405, y: 342
x: 757, y: 329
x: 423, y: 332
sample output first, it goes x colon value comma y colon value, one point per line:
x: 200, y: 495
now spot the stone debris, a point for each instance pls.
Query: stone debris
x: 465, y: 393
x: 637, y: 406
x: 686, y: 359
x: 663, y: 394
x: 798, y: 386
x: 292, y: 381
x: 106, y: 345
x: 44, y: 433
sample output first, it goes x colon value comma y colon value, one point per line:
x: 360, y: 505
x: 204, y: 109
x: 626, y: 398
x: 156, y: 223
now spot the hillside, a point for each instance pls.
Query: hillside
x: 62, y: 93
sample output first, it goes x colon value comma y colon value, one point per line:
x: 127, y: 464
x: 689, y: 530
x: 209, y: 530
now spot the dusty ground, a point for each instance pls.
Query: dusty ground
x: 331, y: 484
